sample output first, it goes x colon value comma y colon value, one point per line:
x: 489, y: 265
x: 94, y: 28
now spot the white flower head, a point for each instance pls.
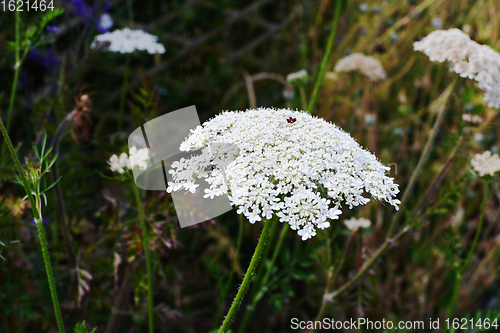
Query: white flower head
x: 289, y: 164
x: 136, y: 158
x: 105, y: 21
x: 486, y: 163
x: 128, y: 41
x: 354, y: 223
x: 367, y: 65
x: 302, y: 74
x: 472, y: 119
x: 469, y: 58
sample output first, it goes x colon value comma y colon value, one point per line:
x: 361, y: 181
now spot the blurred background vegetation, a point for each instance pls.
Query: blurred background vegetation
x: 217, y: 53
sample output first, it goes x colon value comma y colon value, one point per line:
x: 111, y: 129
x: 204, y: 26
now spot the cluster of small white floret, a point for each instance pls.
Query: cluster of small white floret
x: 486, y: 163
x: 137, y: 158
x: 473, y: 119
x: 289, y: 164
x: 469, y: 58
x: 128, y: 41
x: 367, y: 65
x: 296, y: 76
x: 354, y: 223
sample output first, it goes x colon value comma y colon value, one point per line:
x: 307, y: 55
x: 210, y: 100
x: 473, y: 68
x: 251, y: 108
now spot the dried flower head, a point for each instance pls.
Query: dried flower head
x: 354, y: 223
x: 81, y: 118
x: 367, y: 65
x: 128, y: 41
x: 469, y: 58
x: 300, y: 171
x: 486, y: 163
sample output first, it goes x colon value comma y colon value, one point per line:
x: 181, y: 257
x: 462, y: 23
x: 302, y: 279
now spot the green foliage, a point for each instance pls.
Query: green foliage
x: 80, y: 328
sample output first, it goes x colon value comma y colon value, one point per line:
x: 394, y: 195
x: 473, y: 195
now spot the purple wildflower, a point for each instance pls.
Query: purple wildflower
x: 52, y: 28
x: 47, y: 60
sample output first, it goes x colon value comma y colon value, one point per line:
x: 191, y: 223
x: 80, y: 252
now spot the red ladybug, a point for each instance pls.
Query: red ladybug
x: 291, y: 120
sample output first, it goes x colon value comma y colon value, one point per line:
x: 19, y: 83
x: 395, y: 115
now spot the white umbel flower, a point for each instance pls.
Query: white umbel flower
x: 128, y: 41
x: 486, y: 163
x: 137, y: 157
x: 469, y: 58
x: 354, y: 223
x: 296, y: 76
x: 367, y: 65
x: 289, y: 164
x: 472, y: 119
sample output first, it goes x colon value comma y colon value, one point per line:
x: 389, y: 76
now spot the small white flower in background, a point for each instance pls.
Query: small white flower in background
x: 437, y: 22
x: 128, y: 41
x: 473, y: 119
x: 296, y: 76
x: 469, y: 58
x: 486, y: 163
x: 289, y: 164
x: 138, y: 157
x: 119, y: 164
x: 370, y: 119
x: 105, y: 22
x: 367, y: 65
x: 479, y: 137
x: 354, y: 223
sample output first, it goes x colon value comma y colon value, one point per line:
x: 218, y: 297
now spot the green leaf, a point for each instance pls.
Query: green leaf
x: 80, y: 328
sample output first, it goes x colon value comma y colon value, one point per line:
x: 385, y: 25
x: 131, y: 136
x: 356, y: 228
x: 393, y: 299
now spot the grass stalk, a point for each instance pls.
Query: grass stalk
x: 326, y: 57
x: 145, y: 245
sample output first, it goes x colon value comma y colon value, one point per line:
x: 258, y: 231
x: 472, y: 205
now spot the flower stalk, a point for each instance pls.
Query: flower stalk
x: 326, y: 57
x: 259, y: 249
x: 124, y: 92
x: 461, y: 270
x: 145, y: 245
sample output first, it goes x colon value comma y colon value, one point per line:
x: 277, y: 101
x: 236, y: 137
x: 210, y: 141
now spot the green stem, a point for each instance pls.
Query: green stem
x: 124, y: 92
x: 50, y: 275
x: 326, y: 57
x: 233, y: 269
x: 38, y: 220
x: 259, y: 249
x: 17, y: 67
x: 261, y: 286
x: 145, y: 245
x: 303, y: 98
x: 441, y: 108
x: 461, y: 271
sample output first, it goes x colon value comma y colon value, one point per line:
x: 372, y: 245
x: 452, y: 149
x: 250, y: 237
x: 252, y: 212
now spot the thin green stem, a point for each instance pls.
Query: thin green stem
x: 50, y: 275
x: 461, y: 271
x: 441, y: 103
x: 17, y: 67
x: 303, y: 97
x: 259, y: 249
x: 124, y: 92
x: 326, y: 57
x: 145, y: 245
x: 261, y: 285
x: 34, y: 202
x: 233, y: 269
